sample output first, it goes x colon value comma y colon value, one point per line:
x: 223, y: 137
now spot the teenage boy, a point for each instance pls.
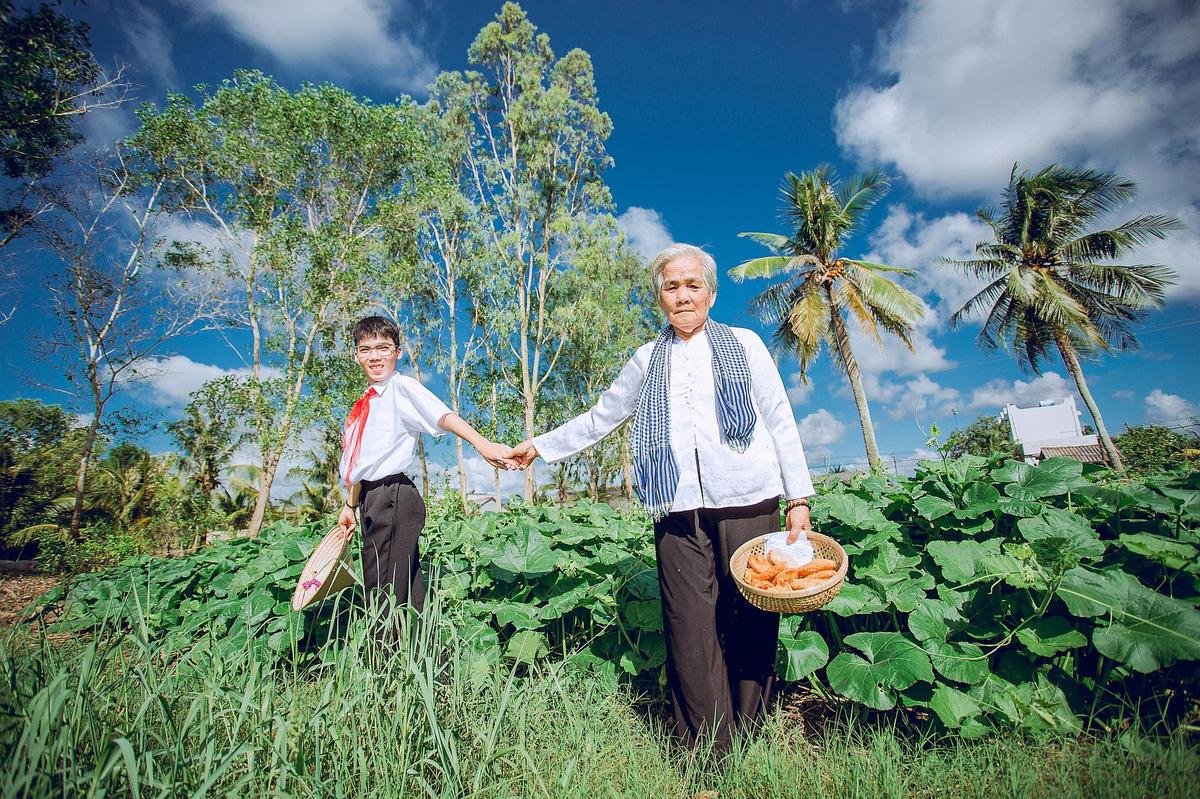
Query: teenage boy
x: 379, y: 440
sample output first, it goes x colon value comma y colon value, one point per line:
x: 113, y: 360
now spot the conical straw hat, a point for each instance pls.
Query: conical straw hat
x: 327, y: 571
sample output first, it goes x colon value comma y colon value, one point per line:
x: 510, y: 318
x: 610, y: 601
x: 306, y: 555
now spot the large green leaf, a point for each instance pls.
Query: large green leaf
x: 957, y: 661
x: 958, y: 711
x: 1061, y: 539
x: 978, y: 499
x: 854, y: 599
x: 1147, y: 630
x: 1037, y: 706
x: 891, y: 664
x: 527, y: 554
x: 1052, y: 477
x: 1170, y: 553
x: 521, y: 615
x: 858, y: 514
x: 933, y: 507
x: 930, y: 620
x: 801, y: 654
x: 1050, y: 635
x: 526, y: 646
x: 963, y: 561
x: 644, y: 614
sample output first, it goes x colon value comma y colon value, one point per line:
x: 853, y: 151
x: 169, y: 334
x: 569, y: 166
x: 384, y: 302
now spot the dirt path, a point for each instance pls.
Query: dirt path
x: 18, y: 590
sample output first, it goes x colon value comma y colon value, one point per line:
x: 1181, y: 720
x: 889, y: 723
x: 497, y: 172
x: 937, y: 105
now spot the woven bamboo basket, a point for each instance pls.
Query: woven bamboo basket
x: 328, y: 569
x: 785, y: 600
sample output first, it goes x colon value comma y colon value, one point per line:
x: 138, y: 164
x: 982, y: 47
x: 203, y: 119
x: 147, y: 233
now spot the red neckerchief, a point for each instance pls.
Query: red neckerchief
x: 352, y: 434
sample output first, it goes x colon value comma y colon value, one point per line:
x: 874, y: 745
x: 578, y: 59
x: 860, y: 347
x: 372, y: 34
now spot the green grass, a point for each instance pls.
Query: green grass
x: 114, y: 716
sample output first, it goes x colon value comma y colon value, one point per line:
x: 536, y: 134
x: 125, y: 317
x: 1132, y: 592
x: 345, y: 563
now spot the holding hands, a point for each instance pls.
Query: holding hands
x: 503, y: 456
x: 498, y: 455
x: 524, y: 454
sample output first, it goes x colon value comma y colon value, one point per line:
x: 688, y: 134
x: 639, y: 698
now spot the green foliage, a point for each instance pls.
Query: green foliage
x: 1148, y: 449
x: 40, y: 447
x: 999, y: 594
x: 995, y: 594
x: 986, y: 436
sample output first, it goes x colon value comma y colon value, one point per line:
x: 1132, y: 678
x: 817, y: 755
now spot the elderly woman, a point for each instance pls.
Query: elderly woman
x: 715, y: 448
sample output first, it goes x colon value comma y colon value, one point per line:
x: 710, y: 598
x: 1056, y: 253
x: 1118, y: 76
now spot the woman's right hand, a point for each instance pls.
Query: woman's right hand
x: 524, y: 454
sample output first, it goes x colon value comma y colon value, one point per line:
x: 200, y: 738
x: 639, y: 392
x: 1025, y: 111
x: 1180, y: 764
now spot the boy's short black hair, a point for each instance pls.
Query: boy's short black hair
x: 376, y: 327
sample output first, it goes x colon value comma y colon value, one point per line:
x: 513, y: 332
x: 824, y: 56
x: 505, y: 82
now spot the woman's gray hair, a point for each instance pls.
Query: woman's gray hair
x: 674, y: 251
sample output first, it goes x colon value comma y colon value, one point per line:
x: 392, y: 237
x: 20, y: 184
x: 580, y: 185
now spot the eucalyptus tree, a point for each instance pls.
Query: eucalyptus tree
x: 537, y: 152
x: 435, y: 270
x: 821, y: 289
x: 115, y: 303
x: 1051, y: 280
x: 292, y: 190
x: 613, y: 316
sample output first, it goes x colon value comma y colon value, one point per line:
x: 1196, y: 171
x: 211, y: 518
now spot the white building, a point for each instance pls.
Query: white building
x: 1052, y: 429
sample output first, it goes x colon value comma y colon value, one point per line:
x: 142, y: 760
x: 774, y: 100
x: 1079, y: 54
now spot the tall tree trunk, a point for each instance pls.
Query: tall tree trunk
x: 627, y: 468
x: 1071, y: 360
x: 499, y: 496
x: 81, y: 477
x: 265, y: 478
x: 529, y: 473
x: 424, y: 466
x: 852, y: 374
x: 496, y: 427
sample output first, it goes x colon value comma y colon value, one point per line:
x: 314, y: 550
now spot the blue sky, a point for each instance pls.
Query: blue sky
x: 712, y: 102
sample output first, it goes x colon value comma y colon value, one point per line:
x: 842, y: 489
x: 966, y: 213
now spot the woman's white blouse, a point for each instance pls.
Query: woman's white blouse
x: 401, y: 411
x: 711, y: 475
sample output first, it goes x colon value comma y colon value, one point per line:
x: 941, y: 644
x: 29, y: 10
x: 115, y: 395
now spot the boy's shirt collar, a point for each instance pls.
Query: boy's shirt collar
x: 382, y: 385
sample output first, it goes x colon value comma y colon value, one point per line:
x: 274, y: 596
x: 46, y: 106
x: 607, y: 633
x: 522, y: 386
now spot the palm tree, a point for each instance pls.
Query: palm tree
x: 208, y: 436
x: 810, y: 306
x: 1051, y: 282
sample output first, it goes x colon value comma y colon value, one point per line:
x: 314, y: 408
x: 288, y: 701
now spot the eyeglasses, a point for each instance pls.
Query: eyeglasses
x: 378, y: 349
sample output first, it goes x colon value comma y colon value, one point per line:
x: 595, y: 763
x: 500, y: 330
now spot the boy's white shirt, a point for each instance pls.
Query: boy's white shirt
x: 401, y: 410
x: 773, y: 464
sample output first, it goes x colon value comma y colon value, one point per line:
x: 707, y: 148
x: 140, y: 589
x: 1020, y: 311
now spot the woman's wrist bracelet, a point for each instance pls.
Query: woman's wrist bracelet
x: 801, y: 502
x: 351, y: 507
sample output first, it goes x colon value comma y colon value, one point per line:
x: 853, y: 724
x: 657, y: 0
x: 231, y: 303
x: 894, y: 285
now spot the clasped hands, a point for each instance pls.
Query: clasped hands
x: 503, y: 456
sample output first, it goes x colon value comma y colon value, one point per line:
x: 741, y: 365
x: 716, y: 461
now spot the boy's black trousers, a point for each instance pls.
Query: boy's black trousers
x: 720, y: 648
x: 393, y: 514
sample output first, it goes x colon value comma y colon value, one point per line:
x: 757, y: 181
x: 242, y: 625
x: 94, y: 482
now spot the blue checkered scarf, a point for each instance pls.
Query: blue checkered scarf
x: 655, y: 472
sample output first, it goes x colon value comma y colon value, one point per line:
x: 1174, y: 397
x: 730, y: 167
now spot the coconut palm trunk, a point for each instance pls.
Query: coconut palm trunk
x: 850, y: 365
x: 1071, y: 360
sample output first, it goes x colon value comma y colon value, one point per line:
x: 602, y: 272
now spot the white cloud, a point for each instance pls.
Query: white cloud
x: 924, y: 399
x: 797, y: 390
x: 912, y: 240
x: 995, y: 394
x: 966, y: 89
x: 1169, y: 409
x: 818, y: 431
x: 645, y: 230
x: 1123, y: 393
x: 339, y: 40
x: 173, y: 378
x: 150, y: 40
x: 875, y: 362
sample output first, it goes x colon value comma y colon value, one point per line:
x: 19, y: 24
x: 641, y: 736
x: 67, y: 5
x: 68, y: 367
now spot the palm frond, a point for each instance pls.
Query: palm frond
x: 1115, y: 243
x: 772, y: 241
x: 767, y: 266
x: 863, y: 191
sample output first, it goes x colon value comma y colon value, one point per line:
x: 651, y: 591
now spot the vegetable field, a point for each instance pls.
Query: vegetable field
x: 983, y: 594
